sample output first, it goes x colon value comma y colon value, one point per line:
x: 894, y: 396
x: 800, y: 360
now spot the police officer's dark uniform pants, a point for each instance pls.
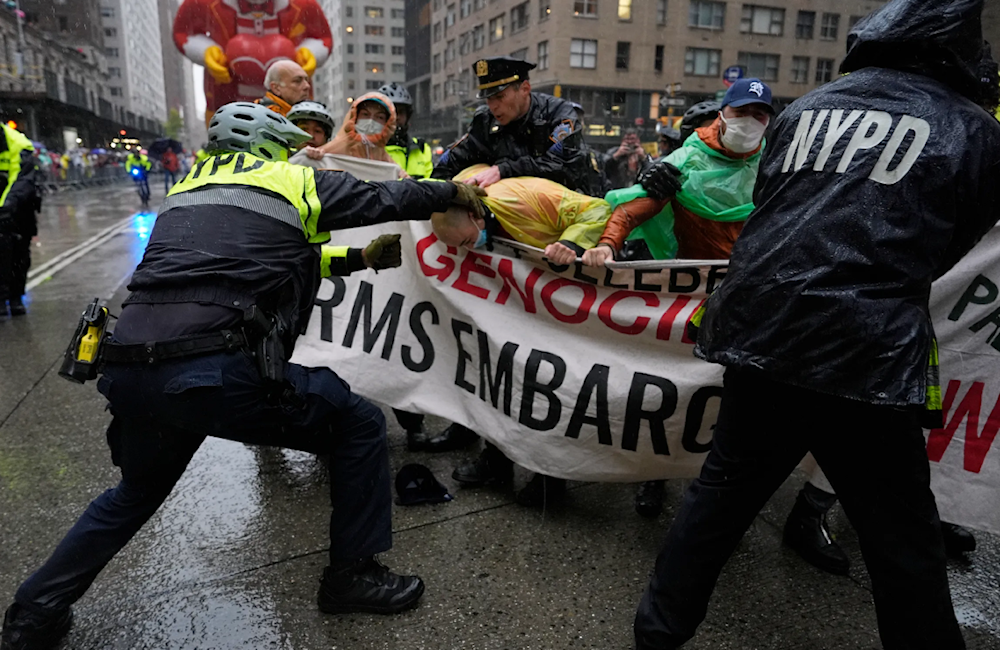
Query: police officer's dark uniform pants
x: 162, y: 414
x: 874, y: 457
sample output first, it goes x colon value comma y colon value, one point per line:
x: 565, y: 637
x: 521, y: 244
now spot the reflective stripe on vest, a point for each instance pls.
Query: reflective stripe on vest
x: 933, y: 401
x: 294, y: 183
x: 238, y: 198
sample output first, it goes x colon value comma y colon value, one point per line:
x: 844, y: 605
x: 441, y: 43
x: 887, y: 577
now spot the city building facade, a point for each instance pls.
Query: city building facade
x: 630, y: 63
x: 135, y: 58
x: 368, y: 51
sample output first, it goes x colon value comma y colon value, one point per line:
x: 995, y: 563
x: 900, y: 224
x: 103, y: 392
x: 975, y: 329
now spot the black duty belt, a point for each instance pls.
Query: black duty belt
x: 185, y: 346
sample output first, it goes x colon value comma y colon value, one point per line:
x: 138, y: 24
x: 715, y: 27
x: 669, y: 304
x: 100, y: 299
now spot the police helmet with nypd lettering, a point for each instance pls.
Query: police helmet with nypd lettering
x: 498, y: 72
x: 253, y: 129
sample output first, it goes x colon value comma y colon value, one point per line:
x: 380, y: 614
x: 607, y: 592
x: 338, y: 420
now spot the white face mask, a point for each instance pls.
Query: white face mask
x: 368, y: 127
x: 743, y: 134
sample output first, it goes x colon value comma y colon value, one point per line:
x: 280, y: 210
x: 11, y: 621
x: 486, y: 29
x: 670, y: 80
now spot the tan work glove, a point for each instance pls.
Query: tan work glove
x: 470, y: 196
x: 217, y: 64
x: 385, y: 252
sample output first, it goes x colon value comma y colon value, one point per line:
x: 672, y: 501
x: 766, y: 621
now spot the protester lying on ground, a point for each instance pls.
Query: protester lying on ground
x: 718, y: 170
x: 532, y: 211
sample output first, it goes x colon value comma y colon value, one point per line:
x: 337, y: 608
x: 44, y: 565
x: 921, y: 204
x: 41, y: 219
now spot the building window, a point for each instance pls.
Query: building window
x: 465, y: 43
x: 437, y: 4
x: 111, y: 32
x: 661, y: 12
x: 496, y: 29
x: 543, y: 55
x: 373, y: 66
x: 374, y: 12
x: 374, y: 30
x: 544, y: 9
x: 108, y: 12
x: 805, y: 24
x: 399, y: 32
x: 585, y: 8
x: 373, y: 48
x: 622, y: 55
x: 831, y: 24
x: 624, y: 9
x: 399, y: 14
x: 350, y: 84
x: 115, y: 72
x: 478, y: 37
x: 449, y: 86
x: 111, y: 51
x: 852, y: 21
x: 437, y: 63
x: 582, y: 53
x: 437, y: 31
x: 658, y: 59
x: 762, y: 66
x: 478, y: 4
x: 374, y: 84
x: 350, y: 66
x: 520, y: 55
x: 449, y: 51
x: 449, y: 19
x: 519, y: 18
x: 348, y: 11
x: 800, y: 69
x: 700, y: 62
x: 465, y: 8
x: 706, y: 15
x: 824, y: 70
x: 116, y: 91
x: 436, y: 92
x: 762, y: 20
x: 350, y: 48
x: 398, y: 50
x: 399, y: 68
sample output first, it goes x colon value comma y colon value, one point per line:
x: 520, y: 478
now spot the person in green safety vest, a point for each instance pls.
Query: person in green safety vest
x: 410, y: 153
x: 19, y: 202
x: 137, y: 159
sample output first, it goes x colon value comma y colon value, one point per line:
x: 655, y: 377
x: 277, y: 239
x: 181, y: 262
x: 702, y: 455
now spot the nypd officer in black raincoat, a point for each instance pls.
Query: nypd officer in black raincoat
x: 201, y: 348
x: 874, y: 185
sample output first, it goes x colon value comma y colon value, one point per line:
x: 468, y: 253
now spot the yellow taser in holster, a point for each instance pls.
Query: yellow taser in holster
x: 83, y: 356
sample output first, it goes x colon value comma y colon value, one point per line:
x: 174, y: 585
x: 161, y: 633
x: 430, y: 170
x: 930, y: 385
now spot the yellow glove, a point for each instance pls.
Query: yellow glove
x: 306, y: 59
x: 217, y: 64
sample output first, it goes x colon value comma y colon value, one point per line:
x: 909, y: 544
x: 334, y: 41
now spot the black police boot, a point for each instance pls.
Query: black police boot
x: 542, y: 492
x: 24, y: 630
x: 649, y: 499
x: 958, y: 540
x: 17, y: 307
x: 367, y: 586
x: 491, y: 467
x: 454, y: 437
x: 806, y: 532
x: 416, y: 440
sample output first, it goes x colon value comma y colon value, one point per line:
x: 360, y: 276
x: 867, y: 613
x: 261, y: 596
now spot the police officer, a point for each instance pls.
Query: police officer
x: 226, y: 285
x: 518, y: 133
x: 516, y: 130
x: 410, y: 153
x: 18, y: 204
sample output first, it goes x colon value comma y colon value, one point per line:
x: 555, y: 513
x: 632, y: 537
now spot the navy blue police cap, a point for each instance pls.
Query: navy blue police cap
x: 497, y: 72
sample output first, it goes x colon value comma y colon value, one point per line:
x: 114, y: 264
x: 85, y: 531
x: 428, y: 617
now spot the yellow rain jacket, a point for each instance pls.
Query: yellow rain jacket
x: 539, y: 212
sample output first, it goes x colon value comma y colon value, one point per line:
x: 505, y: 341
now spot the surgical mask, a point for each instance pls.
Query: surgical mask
x: 743, y: 134
x: 368, y: 127
x: 482, y: 239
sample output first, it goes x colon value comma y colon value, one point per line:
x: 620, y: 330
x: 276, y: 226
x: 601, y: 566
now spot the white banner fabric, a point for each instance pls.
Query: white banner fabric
x: 588, y: 374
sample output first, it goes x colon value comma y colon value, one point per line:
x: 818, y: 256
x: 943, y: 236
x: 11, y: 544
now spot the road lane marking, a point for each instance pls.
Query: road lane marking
x: 45, y: 272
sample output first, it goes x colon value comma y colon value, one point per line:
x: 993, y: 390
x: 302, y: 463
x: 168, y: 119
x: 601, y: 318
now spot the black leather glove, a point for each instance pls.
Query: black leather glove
x: 385, y: 252
x: 469, y: 196
x: 661, y: 180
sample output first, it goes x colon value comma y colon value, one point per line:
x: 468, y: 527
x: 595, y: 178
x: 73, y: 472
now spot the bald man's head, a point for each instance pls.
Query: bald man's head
x: 287, y: 80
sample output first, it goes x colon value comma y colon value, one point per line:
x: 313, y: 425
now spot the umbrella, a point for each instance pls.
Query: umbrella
x: 159, y: 147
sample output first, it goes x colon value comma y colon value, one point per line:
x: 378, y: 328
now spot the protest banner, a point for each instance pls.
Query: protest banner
x: 588, y: 374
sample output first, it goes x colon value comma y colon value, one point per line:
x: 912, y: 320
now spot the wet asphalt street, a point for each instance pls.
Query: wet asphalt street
x: 233, y: 558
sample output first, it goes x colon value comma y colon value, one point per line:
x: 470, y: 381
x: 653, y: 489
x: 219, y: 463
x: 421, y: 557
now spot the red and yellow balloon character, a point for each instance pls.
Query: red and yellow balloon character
x: 237, y: 40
